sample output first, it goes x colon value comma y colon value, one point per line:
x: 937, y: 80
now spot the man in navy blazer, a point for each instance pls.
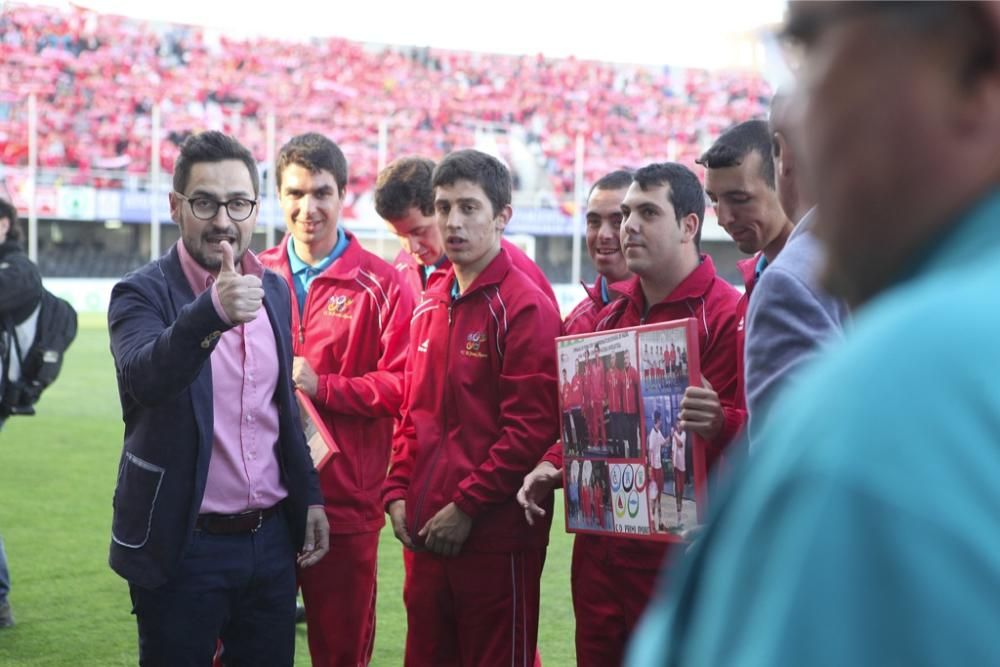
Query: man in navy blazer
x: 216, y: 490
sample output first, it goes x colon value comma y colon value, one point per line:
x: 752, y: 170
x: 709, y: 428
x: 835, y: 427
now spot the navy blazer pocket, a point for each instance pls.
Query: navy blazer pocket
x: 135, y: 499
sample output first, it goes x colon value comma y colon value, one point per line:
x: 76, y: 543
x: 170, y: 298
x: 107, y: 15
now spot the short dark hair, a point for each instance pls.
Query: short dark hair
x: 477, y: 167
x: 403, y: 184
x: 616, y: 180
x: 657, y: 416
x: 316, y: 153
x: 685, y: 194
x: 8, y: 211
x: 736, y: 143
x: 212, y: 146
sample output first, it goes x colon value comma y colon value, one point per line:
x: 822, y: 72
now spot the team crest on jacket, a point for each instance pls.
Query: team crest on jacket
x: 474, y: 342
x: 338, y: 306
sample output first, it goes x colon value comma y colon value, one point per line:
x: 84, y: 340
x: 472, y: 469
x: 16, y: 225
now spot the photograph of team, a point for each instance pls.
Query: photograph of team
x: 630, y: 468
x: 599, y: 392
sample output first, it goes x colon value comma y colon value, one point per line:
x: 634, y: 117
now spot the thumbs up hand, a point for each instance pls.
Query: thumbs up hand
x: 241, y: 296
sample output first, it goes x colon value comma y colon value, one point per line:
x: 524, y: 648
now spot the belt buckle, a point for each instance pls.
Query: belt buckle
x: 260, y: 521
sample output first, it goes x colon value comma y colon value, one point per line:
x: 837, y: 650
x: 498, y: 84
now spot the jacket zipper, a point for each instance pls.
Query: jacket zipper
x: 444, y: 432
x: 302, y: 315
x: 301, y: 334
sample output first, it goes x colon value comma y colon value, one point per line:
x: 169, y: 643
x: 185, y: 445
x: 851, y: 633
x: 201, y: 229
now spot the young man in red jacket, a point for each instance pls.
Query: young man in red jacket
x: 663, y: 211
x: 480, y: 409
x: 740, y: 181
x: 350, y: 323
x: 604, y: 220
x: 404, y: 198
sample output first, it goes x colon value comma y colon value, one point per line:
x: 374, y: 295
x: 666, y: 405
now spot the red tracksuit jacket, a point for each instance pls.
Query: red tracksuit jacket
x: 481, y: 405
x: 583, y: 317
x: 354, y: 332
x: 409, y: 271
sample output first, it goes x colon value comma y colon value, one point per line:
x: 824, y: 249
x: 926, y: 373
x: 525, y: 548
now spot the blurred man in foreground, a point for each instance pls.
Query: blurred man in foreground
x: 20, y: 291
x: 864, y: 532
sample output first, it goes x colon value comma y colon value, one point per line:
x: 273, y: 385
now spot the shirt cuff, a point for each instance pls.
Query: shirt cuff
x: 320, y: 397
x: 219, y: 310
x: 557, y: 461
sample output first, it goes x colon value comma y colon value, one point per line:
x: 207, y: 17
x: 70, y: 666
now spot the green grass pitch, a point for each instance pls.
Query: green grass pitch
x: 57, y: 475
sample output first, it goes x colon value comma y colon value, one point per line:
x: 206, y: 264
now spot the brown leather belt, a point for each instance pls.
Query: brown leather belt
x: 234, y: 524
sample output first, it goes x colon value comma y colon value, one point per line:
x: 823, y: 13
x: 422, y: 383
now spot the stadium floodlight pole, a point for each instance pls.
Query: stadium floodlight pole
x: 578, y: 209
x: 269, y: 177
x: 32, y: 177
x: 154, y: 186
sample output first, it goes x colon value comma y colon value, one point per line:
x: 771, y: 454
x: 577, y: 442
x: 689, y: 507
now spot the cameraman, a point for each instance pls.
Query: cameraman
x: 20, y: 292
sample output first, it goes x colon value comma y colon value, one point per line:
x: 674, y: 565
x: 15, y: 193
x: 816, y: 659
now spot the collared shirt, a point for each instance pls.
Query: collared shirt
x: 759, y: 266
x: 243, y: 472
x: 427, y: 270
x: 304, y: 274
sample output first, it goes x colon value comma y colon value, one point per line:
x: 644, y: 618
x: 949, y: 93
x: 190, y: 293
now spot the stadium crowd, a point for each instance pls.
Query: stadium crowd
x: 98, y: 77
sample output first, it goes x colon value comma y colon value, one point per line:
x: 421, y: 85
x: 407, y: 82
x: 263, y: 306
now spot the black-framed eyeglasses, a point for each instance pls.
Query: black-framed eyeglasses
x: 206, y: 208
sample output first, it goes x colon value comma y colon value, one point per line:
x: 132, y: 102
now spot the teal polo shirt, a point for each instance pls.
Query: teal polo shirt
x: 303, y: 274
x: 867, y: 531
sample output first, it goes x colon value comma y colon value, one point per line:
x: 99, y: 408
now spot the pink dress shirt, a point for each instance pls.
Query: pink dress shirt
x: 243, y: 472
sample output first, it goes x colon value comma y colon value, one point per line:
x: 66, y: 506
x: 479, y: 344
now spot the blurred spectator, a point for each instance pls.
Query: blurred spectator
x: 20, y: 290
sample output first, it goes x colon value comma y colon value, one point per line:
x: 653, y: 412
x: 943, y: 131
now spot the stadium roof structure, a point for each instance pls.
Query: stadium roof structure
x: 701, y: 33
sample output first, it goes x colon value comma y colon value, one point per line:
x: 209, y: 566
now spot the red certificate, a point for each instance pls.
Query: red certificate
x: 321, y: 444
